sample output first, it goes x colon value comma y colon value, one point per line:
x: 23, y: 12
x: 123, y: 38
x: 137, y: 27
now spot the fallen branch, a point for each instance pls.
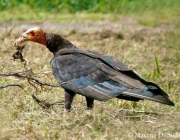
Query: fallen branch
x: 44, y: 104
x: 28, y: 74
x: 10, y: 85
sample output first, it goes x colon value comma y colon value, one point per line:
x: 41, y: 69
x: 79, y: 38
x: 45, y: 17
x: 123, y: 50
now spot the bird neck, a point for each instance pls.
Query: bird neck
x: 55, y: 43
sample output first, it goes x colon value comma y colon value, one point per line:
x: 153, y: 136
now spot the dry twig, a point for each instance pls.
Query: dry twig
x: 44, y: 104
x: 10, y: 85
x: 28, y: 74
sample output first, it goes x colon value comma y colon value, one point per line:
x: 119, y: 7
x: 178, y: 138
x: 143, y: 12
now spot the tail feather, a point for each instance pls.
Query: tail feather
x: 150, y: 92
x: 129, y: 98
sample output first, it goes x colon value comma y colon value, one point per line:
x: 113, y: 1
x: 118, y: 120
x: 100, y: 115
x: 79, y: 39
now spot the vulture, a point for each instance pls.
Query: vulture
x: 95, y: 75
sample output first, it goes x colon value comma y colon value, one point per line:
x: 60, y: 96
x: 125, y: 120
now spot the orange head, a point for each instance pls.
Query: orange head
x: 34, y: 34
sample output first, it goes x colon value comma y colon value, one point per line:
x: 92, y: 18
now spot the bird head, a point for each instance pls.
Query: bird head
x: 35, y: 34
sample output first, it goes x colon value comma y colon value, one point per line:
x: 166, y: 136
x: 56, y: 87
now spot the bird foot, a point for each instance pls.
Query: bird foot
x: 89, y: 108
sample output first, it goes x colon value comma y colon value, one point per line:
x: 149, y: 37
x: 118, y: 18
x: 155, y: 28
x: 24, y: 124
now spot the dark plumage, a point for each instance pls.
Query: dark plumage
x: 93, y: 74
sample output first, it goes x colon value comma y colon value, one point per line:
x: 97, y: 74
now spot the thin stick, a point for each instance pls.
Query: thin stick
x: 11, y: 85
x: 44, y: 104
x: 28, y: 75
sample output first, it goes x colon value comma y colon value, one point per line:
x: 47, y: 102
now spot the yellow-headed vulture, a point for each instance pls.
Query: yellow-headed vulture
x: 92, y: 74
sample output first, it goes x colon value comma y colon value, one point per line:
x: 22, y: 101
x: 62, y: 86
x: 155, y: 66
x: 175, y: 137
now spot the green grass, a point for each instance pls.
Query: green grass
x: 100, y: 6
x: 146, y: 12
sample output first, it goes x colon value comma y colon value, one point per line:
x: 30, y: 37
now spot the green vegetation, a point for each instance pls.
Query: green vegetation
x: 147, y: 12
x: 100, y: 6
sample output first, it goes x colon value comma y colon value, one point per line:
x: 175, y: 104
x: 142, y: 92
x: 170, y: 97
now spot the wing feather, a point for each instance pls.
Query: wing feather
x: 102, y: 77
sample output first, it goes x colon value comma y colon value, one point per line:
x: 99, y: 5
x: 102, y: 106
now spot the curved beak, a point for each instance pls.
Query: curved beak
x: 21, y: 40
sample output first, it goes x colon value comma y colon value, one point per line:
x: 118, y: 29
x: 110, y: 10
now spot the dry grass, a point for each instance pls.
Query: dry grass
x: 21, y: 118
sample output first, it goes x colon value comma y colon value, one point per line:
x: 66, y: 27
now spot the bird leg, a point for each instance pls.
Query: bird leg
x: 89, y: 102
x: 68, y: 99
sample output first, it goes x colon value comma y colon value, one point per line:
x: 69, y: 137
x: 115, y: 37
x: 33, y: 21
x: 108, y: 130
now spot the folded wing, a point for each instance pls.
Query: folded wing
x: 102, y: 77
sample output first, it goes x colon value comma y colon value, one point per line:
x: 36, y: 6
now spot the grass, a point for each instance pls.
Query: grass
x: 152, y: 51
x: 155, y: 55
x: 149, y: 13
x: 100, y: 6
